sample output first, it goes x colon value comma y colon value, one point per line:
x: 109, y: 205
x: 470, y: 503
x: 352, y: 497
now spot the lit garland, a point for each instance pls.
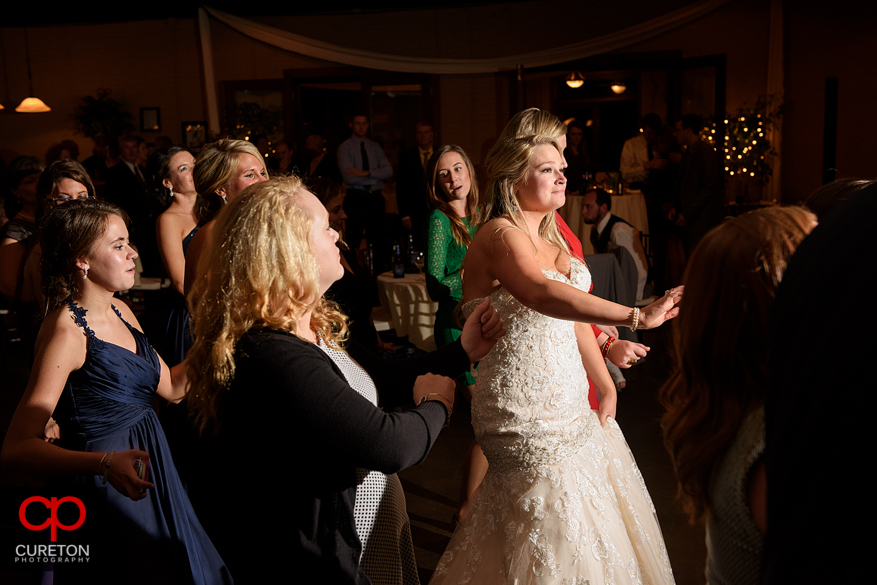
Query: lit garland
x: 747, y: 150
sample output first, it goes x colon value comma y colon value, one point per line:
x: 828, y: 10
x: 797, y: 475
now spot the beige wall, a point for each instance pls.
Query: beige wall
x: 157, y: 64
x: 146, y: 64
x: 820, y: 44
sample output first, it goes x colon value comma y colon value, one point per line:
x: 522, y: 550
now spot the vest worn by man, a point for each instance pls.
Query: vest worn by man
x: 601, y: 244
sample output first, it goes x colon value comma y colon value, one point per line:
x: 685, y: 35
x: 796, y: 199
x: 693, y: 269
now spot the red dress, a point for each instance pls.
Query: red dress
x: 575, y: 246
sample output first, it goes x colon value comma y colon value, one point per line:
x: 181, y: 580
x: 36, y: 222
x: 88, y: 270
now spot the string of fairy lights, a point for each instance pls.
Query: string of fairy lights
x: 746, y: 148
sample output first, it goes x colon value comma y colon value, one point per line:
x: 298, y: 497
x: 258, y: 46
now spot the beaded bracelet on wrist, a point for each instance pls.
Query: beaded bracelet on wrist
x: 606, y: 346
x: 635, y: 323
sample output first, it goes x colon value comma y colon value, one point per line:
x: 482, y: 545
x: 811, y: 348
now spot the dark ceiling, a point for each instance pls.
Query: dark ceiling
x: 24, y: 14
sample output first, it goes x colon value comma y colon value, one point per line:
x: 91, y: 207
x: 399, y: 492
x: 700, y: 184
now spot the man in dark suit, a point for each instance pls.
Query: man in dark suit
x: 126, y: 187
x: 700, y: 188
x: 317, y: 161
x: 411, y: 192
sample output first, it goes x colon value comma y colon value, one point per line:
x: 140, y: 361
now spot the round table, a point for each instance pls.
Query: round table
x: 631, y: 207
x: 412, y: 312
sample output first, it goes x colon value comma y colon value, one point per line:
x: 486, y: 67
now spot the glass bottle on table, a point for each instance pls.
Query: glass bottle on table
x: 398, y: 263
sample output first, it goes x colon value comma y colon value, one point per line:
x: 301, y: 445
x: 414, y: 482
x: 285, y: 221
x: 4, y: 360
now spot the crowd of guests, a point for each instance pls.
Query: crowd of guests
x: 271, y: 320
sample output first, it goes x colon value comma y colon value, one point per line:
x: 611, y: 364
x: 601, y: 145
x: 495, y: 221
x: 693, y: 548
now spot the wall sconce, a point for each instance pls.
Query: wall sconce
x: 575, y: 80
x: 619, y: 88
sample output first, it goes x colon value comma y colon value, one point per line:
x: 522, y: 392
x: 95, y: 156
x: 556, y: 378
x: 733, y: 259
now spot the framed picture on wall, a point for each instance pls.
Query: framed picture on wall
x: 150, y: 119
x: 194, y: 134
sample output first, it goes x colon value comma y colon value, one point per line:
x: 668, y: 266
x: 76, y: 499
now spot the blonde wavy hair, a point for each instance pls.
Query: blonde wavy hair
x: 262, y: 274
x: 507, y: 163
x: 214, y: 169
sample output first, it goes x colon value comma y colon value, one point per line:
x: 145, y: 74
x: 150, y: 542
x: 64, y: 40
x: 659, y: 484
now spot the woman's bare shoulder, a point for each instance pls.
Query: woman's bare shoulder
x: 60, y: 325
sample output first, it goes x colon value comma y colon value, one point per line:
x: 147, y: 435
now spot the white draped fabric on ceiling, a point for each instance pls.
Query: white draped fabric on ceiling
x: 359, y: 58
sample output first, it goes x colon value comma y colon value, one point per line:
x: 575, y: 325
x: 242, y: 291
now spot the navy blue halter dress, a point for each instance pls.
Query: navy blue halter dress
x: 107, y: 405
x: 178, y: 336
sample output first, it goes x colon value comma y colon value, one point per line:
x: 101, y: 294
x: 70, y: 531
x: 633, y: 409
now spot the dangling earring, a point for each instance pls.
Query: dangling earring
x: 84, y: 273
x: 171, y: 192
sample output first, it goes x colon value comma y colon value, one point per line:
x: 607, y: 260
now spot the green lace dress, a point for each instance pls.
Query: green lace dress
x: 444, y: 257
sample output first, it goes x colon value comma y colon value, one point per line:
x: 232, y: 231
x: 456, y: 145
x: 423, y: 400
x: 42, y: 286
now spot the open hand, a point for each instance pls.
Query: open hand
x: 481, y: 331
x: 661, y: 310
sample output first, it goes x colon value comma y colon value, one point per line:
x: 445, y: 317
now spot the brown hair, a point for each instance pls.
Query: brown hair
x: 720, y: 340
x: 830, y: 195
x: 438, y: 198
x: 54, y: 174
x: 69, y: 233
x: 262, y: 273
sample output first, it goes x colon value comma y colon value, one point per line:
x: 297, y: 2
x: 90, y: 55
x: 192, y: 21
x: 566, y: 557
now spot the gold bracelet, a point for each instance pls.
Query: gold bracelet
x: 447, y: 406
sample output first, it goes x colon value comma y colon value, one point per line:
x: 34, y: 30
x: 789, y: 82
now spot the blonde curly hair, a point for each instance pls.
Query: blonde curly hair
x: 262, y: 274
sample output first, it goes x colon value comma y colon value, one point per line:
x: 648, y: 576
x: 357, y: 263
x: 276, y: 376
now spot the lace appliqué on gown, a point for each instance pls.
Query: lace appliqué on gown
x: 563, y: 501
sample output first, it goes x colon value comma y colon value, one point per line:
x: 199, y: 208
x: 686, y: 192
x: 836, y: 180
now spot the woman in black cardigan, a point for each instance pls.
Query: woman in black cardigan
x: 286, y: 405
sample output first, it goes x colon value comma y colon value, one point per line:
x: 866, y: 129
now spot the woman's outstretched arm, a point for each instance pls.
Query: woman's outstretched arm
x: 514, y: 264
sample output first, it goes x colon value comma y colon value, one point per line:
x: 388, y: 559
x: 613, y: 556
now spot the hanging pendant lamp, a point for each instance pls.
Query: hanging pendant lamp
x: 31, y: 105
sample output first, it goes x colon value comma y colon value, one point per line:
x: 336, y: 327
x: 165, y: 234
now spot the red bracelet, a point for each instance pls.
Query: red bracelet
x: 606, y: 346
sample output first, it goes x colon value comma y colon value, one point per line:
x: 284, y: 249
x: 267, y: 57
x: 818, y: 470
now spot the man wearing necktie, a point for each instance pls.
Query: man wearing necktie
x: 365, y: 167
x: 127, y: 187
x: 411, y: 193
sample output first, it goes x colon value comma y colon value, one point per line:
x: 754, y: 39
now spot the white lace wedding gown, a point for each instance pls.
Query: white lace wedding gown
x: 563, y: 501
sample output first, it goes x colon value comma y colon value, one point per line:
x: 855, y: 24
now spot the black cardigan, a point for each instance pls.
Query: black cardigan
x: 292, y: 434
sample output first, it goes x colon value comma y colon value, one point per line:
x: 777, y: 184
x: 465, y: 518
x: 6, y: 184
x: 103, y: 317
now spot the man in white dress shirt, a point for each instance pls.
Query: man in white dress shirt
x: 610, y: 228
x: 637, y: 157
x: 365, y: 167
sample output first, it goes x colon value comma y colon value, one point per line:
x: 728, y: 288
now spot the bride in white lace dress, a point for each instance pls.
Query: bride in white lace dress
x: 563, y: 500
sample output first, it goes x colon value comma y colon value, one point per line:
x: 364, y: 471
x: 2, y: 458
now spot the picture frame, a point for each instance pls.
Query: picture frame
x: 194, y: 134
x: 150, y: 119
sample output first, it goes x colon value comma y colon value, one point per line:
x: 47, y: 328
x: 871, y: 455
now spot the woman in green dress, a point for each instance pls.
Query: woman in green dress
x: 453, y: 193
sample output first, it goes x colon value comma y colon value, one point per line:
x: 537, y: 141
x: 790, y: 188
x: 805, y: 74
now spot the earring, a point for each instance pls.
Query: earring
x: 85, y: 273
x: 171, y: 192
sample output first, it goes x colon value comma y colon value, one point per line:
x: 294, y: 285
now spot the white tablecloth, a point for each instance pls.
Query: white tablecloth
x: 412, y: 312
x: 630, y: 207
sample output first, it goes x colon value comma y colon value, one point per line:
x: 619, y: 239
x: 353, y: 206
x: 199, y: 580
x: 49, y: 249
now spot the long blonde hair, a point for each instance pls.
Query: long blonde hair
x: 439, y: 199
x: 262, y: 274
x: 508, y: 162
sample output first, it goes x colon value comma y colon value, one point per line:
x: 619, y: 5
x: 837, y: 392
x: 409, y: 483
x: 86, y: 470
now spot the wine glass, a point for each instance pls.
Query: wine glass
x: 419, y: 259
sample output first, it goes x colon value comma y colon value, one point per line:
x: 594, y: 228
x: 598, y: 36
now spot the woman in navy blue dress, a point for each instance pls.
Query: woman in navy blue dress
x: 175, y: 228
x: 97, y: 373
